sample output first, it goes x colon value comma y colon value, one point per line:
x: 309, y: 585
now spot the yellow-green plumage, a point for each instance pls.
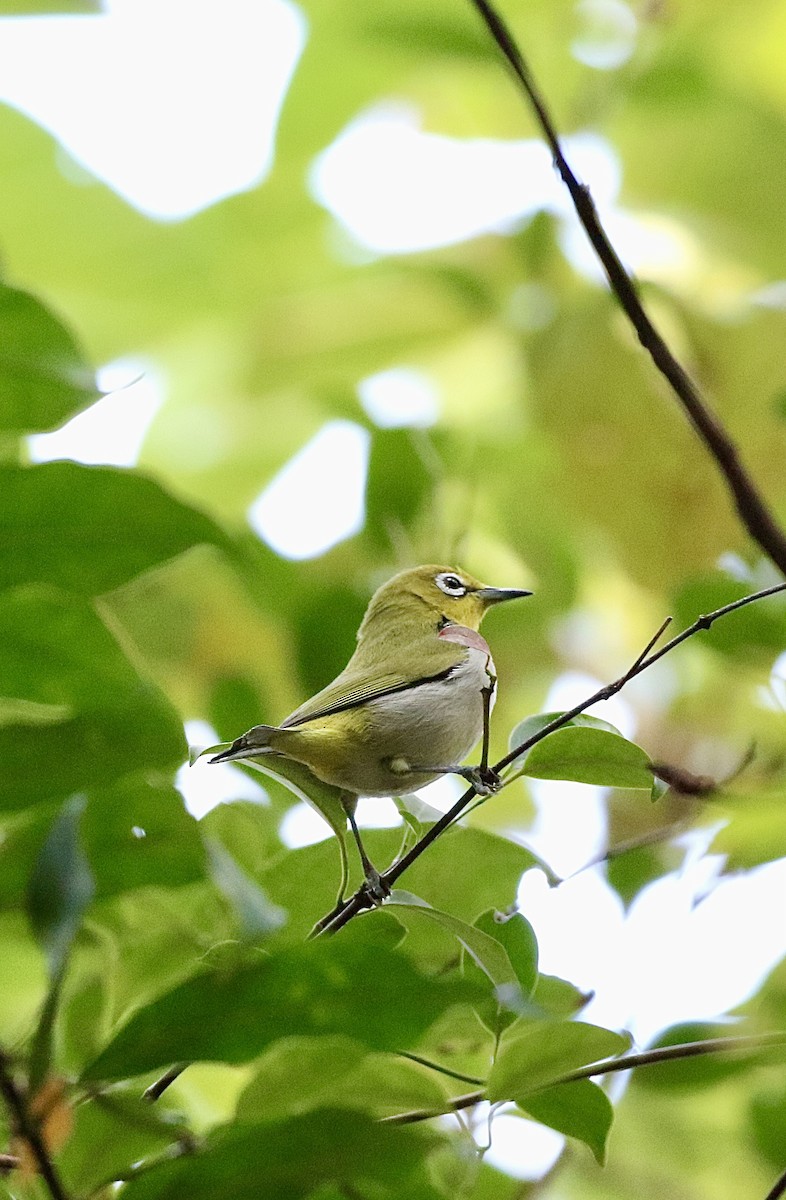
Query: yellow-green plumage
x: 407, y: 699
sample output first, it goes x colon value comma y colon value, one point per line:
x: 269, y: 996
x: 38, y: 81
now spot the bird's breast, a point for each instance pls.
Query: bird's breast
x: 436, y: 722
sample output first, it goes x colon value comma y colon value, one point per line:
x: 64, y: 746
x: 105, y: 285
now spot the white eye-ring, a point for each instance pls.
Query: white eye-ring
x: 451, y: 585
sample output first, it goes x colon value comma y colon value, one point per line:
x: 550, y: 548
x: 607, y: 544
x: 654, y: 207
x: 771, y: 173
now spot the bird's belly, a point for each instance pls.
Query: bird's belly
x: 435, y: 724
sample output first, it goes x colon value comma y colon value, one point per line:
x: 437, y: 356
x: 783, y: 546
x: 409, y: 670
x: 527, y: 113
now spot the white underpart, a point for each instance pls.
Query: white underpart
x: 436, y: 724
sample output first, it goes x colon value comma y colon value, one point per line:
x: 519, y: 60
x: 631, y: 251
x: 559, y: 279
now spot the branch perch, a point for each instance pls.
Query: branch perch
x: 361, y: 899
x: 751, y: 506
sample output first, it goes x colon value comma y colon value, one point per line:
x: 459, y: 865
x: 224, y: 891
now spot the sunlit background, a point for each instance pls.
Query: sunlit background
x: 175, y: 107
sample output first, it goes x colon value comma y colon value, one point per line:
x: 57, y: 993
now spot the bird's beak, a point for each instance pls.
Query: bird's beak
x: 492, y: 595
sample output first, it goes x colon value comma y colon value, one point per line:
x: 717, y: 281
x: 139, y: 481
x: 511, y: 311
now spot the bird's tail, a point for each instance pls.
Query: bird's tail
x: 248, y: 745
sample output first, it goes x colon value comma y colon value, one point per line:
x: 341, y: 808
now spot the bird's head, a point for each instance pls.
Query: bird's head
x: 444, y: 595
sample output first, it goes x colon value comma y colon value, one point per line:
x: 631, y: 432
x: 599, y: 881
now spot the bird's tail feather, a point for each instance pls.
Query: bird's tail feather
x: 256, y: 741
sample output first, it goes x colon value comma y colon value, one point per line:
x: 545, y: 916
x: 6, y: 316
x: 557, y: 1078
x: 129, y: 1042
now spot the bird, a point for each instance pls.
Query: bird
x: 410, y: 704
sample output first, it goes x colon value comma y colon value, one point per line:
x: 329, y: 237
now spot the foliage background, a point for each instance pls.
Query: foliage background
x: 135, y: 599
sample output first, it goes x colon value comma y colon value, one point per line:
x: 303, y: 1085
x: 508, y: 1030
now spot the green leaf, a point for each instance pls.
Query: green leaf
x: 258, y: 916
x: 558, y: 998
x: 57, y: 651
x: 532, y: 725
x: 348, y: 986
x: 586, y: 755
x: 297, y: 1074
x: 61, y: 887
x: 485, y: 950
x: 90, y: 529
x: 289, y: 1159
x: 546, y: 1051
x: 111, y: 1131
x: 517, y: 937
x: 579, y: 1109
x: 44, y: 378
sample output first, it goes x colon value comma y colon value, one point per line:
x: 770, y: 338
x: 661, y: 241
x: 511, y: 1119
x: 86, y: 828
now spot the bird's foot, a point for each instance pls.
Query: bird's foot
x: 375, y: 886
x: 483, y: 779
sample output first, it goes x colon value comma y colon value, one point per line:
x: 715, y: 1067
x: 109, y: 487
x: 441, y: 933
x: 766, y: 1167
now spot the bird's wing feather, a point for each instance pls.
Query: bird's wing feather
x: 355, y: 686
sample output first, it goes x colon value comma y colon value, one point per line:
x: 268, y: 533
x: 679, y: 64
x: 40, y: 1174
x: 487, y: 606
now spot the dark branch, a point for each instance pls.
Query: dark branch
x: 27, y: 1128
x: 751, y: 507
x: 362, y: 900
x: 778, y: 1190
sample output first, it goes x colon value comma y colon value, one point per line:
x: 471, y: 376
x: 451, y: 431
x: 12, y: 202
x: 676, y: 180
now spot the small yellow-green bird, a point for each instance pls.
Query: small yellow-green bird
x: 408, y: 706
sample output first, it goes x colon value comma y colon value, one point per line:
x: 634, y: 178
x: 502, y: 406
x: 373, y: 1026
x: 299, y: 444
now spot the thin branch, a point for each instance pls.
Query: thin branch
x: 627, y: 1062
x: 751, y: 506
x: 778, y: 1190
x: 27, y: 1128
x: 9, y: 1163
x: 362, y: 899
x: 158, y: 1088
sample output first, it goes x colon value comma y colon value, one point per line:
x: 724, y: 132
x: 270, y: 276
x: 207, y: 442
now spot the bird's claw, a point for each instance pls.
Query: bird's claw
x: 483, y: 779
x: 375, y: 886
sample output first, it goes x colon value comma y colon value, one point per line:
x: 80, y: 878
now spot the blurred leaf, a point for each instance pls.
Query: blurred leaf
x: 767, y: 1118
x: 298, y: 1074
x: 704, y: 1070
x: 399, y: 480
x: 586, y: 755
x: 547, y: 1050
x: 579, y: 1110
x: 327, y: 987
x: 44, y: 379
x: 113, y: 1130
x: 137, y: 833
x: 57, y: 651
x: 759, y: 626
x: 248, y: 830
x: 291, y: 1157
x: 258, y: 917
x: 558, y: 998
x: 90, y: 529
x: 756, y: 829
x: 61, y: 887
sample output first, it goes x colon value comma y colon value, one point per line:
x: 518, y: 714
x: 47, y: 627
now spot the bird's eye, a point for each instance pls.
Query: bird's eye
x: 451, y: 585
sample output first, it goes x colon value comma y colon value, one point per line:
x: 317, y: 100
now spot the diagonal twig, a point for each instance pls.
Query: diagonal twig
x: 751, y: 507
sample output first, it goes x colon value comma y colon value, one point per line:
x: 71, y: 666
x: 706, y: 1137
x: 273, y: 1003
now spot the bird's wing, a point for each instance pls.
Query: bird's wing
x: 355, y: 686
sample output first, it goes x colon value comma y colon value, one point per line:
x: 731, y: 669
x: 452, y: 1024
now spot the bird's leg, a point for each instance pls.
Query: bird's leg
x: 483, y: 779
x: 377, y: 887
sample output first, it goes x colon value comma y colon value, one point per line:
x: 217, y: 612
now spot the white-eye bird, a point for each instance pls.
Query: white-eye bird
x: 408, y: 706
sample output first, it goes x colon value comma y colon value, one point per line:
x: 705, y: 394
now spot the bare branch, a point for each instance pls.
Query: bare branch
x: 751, y: 506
